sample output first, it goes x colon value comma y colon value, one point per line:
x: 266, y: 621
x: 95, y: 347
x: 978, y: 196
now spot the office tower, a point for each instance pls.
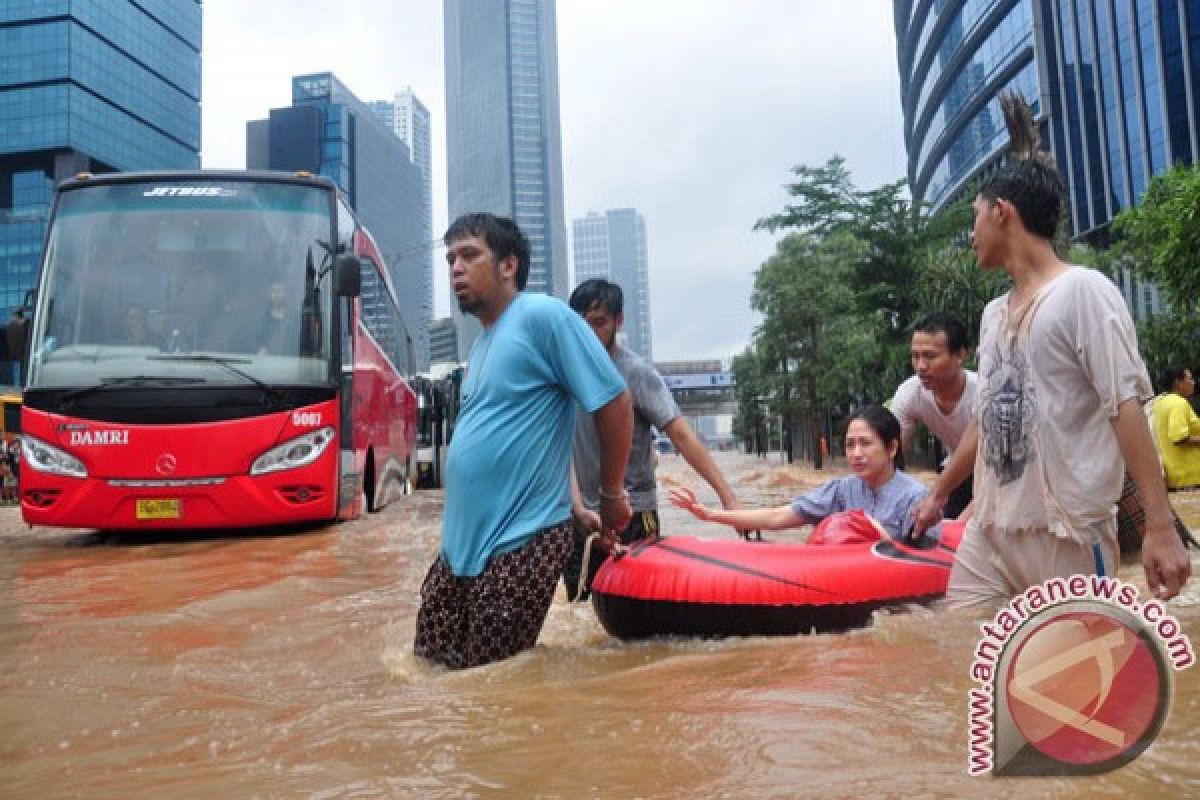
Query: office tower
x: 1115, y: 85
x: 504, y: 151
x: 88, y: 87
x: 955, y: 59
x: 612, y: 246
x: 329, y: 131
x: 443, y: 341
x: 409, y: 119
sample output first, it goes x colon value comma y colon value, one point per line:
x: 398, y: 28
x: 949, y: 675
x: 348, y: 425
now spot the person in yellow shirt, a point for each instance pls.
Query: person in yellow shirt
x: 1177, y: 429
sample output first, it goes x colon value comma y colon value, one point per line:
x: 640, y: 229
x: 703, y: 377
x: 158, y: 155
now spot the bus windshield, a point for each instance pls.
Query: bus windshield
x: 195, y: 280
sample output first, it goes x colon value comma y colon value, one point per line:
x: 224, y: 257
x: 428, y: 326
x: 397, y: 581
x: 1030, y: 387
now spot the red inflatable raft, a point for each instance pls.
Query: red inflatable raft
x: 686, y: 586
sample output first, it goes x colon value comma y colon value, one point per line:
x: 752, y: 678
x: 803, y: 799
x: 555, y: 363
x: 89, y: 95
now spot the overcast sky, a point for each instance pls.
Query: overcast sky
x: 691, y: 111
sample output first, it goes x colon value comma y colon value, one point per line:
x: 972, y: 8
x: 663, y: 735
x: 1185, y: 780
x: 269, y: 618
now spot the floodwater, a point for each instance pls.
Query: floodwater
x: 277, y: 666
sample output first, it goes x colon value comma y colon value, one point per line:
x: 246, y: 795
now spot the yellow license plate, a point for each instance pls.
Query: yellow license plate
x: 159, y: 508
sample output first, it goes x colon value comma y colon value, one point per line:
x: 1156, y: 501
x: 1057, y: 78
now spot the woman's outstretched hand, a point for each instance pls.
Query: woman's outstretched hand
x: 686, y: 499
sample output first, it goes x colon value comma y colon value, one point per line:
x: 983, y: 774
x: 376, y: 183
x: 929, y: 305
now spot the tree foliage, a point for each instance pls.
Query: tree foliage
x: 1162, y: 235
x: 1160, y: 240
x: 826, y: 200
x: 950, y: 280
x: 842, y: 291
x: 750, y: 423
x: 1169, y: 340
x: 801, y: 290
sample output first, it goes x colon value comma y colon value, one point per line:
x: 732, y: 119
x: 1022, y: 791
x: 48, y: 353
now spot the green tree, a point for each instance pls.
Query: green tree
x: 1160, y: 240
x: 750, y: 424
x: 826, y: 201
x: 1162, y: 234
x: 952, y: 281
x: 894, y: 231
x: 843, y: 289
x: 802, y: 290
x: 1169, y: 340
x: 895, y: 235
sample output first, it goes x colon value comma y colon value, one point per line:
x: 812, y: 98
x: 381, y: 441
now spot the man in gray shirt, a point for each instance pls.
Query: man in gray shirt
x: 601, y: 304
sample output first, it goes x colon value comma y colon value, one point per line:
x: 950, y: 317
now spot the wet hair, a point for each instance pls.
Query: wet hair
x: 502, y: 235
x: 598, y: 293
x: 1029, y: 179
x: 886, y: 427
x: 950, y: 325
x: 1172, y: 375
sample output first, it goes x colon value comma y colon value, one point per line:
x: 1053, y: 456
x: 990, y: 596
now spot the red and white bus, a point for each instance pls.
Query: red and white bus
x: 212, y: 349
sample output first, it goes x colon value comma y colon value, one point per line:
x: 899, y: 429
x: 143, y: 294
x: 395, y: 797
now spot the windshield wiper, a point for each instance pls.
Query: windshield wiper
x: 228, y: 363
x: 128, y: 380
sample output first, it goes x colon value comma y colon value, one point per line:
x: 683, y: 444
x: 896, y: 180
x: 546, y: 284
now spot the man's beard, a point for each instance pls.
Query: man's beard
x: 469, y: 306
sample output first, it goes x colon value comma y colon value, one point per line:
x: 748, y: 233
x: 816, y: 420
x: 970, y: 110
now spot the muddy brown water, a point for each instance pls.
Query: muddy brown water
x: 277, y: 665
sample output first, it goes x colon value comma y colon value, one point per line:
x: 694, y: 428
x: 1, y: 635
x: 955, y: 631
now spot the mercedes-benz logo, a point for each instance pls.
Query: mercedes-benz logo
x: 165, y: 464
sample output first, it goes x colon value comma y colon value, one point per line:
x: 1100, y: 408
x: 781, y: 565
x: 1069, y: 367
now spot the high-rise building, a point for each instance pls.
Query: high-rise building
x: 329, y: 131
x: 612, y: 246
x: 504, y: 150
x: 1114, y: 84
x: 443, y: 341
x: 409, y: 119
x: 955, y: 58
x: 88, y: 87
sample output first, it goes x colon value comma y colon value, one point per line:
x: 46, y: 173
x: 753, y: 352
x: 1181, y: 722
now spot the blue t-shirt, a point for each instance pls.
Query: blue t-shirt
x: 508, y: 467
x: 890, y: 505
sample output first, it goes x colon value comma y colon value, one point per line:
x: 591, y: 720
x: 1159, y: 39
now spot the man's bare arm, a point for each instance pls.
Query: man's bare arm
x: 928, y: 512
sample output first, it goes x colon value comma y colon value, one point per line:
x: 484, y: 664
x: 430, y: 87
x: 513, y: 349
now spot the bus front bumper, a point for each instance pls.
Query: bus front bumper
x: 224, y: 502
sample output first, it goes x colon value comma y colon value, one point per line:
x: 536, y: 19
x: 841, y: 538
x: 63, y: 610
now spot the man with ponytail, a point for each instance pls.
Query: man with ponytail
x: 1059, y: 417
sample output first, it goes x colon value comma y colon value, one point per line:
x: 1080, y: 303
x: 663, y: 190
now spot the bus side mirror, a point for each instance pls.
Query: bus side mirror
x: 349, y: 276
x: 16, y: 336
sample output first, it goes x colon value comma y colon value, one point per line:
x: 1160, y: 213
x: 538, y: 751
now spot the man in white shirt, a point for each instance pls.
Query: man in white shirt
x: 941, y: 395
x: 1059, y: 417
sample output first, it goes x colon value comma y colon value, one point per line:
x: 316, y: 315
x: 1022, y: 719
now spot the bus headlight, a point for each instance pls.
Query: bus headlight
x: 47, y: 458
x: 298, y: 452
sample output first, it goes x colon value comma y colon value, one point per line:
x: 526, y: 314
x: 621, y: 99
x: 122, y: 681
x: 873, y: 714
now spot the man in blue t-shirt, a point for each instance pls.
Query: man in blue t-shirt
x: 506, y: 533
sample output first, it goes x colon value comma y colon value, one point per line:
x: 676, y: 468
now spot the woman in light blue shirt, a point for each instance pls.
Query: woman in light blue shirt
x: 878, y: 486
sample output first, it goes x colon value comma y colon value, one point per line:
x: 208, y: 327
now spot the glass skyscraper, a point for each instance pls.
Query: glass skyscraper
x: 504, y: 150
x: 88, y: 87
x: 409, y: 119
x: 329, y: 131
x: 1114, y: 84
x: 955, y: 59
x: 1123, y: 87
x: 612, y: 246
